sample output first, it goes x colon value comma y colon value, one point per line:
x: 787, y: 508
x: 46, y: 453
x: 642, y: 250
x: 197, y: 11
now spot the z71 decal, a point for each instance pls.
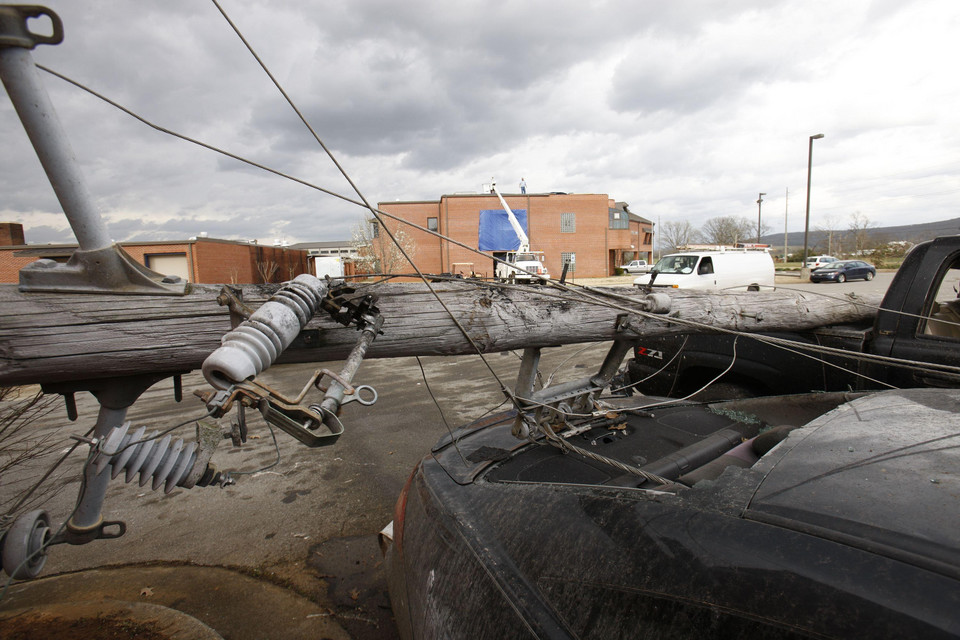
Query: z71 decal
x: 650, y: 353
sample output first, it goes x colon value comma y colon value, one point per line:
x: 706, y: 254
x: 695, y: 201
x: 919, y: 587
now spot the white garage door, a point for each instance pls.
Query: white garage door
x: 169, y: 264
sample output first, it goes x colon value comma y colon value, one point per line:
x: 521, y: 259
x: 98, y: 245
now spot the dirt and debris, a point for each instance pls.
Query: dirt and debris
x: 36, y: 626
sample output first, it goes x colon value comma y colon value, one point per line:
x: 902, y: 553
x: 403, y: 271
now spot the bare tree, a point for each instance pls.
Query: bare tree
x: 831, y: 233
x: 377, y: 252
x: 266, y: 269
x: 727, y: 230
x: 860, y: 226
x: 26, y: 451
x: 677, y: 234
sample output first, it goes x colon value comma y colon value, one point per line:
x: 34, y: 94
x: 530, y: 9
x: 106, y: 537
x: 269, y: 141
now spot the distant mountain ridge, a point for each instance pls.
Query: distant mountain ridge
x: 817, y: 239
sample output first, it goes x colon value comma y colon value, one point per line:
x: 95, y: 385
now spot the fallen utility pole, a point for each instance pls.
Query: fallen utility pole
x: 57, y: 337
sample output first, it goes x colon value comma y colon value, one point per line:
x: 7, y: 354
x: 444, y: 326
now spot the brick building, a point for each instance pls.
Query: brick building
x: 591, y: 231
x: 200, y: 260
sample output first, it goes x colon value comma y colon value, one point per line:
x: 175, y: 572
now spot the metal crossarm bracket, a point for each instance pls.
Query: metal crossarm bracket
x: 108, y: 270
x: 99, y: 265
x: 555, y: 404
x: 232, y: 297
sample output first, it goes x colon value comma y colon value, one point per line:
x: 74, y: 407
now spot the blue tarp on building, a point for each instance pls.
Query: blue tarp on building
x: 496, y: 234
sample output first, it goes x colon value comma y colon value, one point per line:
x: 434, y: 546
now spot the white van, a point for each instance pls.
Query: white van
x: 723, y: 270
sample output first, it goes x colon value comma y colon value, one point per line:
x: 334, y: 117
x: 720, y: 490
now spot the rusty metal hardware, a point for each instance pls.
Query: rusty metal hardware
x: 232, y: 297
x: 557, y: 404
x: 290, y: 414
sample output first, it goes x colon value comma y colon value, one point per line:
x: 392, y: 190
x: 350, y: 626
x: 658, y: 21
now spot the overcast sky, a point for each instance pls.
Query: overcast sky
x: 685, y: 110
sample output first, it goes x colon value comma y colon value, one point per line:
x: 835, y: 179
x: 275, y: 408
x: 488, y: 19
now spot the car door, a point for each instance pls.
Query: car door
x: 932, y: 336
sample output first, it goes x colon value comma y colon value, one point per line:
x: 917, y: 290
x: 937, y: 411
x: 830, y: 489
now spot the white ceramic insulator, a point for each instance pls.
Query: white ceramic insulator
x: 257, y: 342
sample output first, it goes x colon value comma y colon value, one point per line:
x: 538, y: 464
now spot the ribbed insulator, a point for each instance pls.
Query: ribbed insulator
x: 156, y: 460
x: 257, y: 342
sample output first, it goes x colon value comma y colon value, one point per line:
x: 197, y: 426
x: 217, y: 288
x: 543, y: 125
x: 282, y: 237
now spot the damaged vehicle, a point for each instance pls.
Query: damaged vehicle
x: 914, y: 341
x: 829, y: 515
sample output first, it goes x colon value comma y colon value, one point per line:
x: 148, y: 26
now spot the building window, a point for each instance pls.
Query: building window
x: 569, y: 257
x: 432, y: 224
x: 375, y: 229
x: 568, y: 223
x: 619, y: 219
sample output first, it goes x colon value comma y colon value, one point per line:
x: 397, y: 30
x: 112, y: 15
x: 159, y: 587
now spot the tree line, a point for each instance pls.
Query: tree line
x: 856, y: 239
x: 725, y: 230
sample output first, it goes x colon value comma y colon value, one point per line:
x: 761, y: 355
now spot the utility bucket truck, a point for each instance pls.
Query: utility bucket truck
x: 526, y: 265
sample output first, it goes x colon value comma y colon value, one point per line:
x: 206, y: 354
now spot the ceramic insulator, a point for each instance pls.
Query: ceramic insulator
x: 257, y: 342
x: 157, y: 460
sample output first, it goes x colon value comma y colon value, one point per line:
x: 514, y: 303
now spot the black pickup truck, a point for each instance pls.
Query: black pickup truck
x: 918, y: 323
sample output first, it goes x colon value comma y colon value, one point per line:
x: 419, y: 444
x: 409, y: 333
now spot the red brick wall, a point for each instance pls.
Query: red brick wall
x: 594, y: 243
x: 212, y: 261
x: 226, y: 262
x: 427, y: 254
x: 11, y: 234
x: 10, y: 265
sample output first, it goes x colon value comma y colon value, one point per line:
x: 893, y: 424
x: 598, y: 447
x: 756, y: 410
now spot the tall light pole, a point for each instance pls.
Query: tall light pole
x: 759, y: 204
x: 786, y: 206
x: 806, y: 226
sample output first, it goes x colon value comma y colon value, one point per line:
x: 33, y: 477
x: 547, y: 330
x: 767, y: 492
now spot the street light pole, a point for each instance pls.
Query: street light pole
x: 759, y: 204
x: 806, y: 226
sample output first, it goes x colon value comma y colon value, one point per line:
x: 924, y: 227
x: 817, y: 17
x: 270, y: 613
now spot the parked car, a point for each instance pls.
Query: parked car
x: 843, y: 270
x: 723, y: 270
x: 838, y: 523
x: 637, y: 266
x: 815, y: 262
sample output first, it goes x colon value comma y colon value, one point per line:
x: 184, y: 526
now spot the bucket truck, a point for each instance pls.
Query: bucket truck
x: 525, y: 265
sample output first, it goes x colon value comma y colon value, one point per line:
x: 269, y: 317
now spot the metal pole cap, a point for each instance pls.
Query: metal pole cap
x: 15, y: 32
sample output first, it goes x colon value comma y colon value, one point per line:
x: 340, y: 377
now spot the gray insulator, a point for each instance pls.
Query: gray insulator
x: 257, y: 342
x: 155, y: 459
x: 657, y: 303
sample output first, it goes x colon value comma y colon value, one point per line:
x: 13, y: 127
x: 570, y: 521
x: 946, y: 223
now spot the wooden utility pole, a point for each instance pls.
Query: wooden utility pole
x: 50, y: 337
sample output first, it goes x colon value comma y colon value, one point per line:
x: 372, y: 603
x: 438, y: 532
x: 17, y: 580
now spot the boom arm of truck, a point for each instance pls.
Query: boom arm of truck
x: 524, y: 240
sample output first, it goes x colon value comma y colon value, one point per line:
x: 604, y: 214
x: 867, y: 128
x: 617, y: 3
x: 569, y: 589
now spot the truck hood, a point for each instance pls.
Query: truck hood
x: 666, y: 280
x: 882, y: 471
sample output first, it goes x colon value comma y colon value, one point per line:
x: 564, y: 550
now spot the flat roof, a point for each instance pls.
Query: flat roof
x: 30, y: 250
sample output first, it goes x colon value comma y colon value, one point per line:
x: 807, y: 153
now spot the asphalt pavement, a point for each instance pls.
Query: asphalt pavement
x: 878, y: 285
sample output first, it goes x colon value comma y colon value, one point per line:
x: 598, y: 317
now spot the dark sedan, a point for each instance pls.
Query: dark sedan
x: 846, y: 527
x: 844, y: 270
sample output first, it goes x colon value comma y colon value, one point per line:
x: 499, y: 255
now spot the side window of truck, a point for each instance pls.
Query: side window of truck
x: 943, y: 318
